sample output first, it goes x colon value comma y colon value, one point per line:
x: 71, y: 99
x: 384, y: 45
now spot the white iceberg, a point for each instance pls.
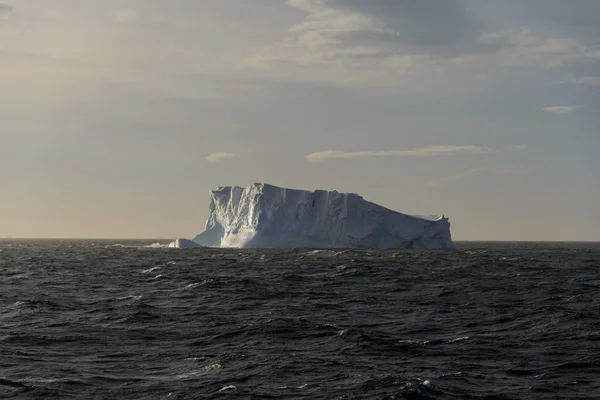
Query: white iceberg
x: 266, y: 216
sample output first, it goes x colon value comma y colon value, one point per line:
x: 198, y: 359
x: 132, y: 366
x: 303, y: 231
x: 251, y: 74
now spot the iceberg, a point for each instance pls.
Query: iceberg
x: 267, y: 216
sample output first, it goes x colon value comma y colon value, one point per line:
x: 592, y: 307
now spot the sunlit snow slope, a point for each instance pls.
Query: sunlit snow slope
x: 262, y: 215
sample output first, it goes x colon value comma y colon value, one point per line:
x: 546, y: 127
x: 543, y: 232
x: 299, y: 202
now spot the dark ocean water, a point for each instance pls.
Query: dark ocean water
x: 101, y: 320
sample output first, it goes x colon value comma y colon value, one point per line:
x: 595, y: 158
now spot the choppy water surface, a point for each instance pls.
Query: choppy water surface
x: 89, y: 319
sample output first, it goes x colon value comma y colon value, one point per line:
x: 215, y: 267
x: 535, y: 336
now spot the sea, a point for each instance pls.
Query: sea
x: 99, y: 319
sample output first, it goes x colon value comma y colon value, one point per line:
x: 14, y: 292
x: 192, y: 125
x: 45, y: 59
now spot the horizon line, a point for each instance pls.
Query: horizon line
x: 7, y: 238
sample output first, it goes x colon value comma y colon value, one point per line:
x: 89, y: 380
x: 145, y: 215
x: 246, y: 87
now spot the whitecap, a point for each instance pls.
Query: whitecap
x: 193, y: 285
x: 19, y: 276
x: 460, y: 339
x: 196, y: 284
x: 421, y: 342
x: 147, y: 271
x: 215, y: 367
x: 229, y: 388
x: 134, y: 298
x: 157, y: 246
x: 18, y: 304
x: 212, y: 367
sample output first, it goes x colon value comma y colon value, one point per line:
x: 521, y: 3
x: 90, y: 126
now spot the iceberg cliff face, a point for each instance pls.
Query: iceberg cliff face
x: 266, y: 216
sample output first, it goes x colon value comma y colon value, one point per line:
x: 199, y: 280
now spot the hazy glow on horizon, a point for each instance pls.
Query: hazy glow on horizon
x: 118, y: 116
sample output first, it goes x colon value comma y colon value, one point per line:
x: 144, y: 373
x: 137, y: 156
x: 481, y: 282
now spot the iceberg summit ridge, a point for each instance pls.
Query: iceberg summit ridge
x: 267, y: 216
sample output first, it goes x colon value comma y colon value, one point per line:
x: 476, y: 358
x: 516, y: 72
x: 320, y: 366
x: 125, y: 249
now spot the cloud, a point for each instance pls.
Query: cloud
x: 397, y: 42
x: 220, y: 156
x: 521, y: 48
x: 584, y: 80
x: 126, y: 16
x: 384, y: 28
x: 328, y: 27
x: 444, y: 27
x: 560, y: 109
x: 430, y: 151
x: 440, y: 26
x: 307, y: 5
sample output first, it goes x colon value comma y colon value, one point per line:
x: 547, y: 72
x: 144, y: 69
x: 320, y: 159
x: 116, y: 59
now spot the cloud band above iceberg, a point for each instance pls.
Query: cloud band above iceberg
x: 429, y: 151
x: 220, y: 156
x: 560, y: 109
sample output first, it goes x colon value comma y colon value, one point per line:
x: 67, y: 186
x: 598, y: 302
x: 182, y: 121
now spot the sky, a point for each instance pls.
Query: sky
x: 118, y: 116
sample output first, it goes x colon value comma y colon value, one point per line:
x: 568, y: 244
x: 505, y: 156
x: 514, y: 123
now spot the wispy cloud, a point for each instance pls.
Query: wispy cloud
x: 521, y: 48
x: 584, y: 80
x: 358, y: 42
x: 220, y: 156
x: 430, y: 151
x: 560, y: 109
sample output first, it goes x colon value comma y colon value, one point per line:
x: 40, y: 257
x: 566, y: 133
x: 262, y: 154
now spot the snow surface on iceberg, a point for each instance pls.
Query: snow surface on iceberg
x: 266, y: 216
